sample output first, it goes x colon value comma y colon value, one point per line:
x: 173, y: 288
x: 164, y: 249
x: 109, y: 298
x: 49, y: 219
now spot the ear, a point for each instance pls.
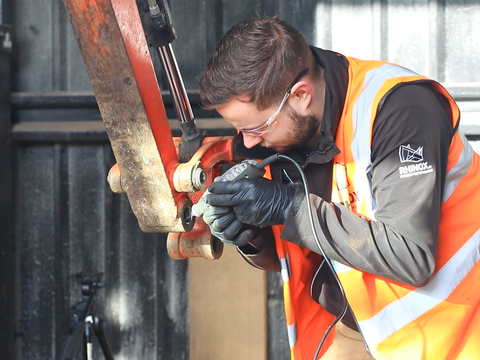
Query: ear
x: 301, y: 97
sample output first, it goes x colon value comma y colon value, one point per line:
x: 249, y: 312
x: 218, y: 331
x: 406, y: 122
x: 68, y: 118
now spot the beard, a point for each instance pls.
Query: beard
x: 304, y: 128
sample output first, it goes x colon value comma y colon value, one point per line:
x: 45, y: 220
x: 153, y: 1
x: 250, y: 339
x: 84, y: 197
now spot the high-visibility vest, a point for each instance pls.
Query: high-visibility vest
x: 306, y: 319
x: 438, y: 321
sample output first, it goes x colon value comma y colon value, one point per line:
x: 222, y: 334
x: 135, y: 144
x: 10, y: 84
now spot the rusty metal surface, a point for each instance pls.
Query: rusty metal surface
x: 132, y: 110
x: 194, y: 244
x: 199, y: 242
x: 117, y: 58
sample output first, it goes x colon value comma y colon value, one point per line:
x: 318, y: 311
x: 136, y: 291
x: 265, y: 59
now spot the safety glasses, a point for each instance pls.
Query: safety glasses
x: 271, y: 122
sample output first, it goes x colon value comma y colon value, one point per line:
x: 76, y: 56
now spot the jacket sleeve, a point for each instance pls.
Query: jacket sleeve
x: 261, y: 252
x: 401, y: 242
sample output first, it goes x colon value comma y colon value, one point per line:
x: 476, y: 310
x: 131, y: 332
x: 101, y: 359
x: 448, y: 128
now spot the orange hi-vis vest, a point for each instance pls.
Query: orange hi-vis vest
x: 306, y: 319
x: 438, y: 321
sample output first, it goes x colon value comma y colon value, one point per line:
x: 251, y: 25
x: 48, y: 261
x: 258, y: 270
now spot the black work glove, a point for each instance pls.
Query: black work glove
x: 259, y: 202
x: 225, y: 226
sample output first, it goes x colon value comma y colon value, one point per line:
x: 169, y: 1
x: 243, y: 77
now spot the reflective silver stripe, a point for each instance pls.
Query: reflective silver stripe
x: 292, y: 335
x: 458, y: 171
x: 285, y: 272
x: 340, y: 268
x: 416, y: 303
x: 360, y: 146
x: 284, y: 269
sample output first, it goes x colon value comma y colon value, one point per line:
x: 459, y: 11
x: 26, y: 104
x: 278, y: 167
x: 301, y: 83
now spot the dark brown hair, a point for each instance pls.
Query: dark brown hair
x: 257, y: 58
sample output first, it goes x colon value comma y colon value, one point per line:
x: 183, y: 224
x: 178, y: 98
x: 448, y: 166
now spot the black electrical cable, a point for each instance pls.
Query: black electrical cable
x: 270, y: 160
x: 322, y: 252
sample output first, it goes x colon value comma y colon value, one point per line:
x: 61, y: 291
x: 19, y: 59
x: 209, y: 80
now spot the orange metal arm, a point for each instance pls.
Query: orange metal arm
x: 160, y: 189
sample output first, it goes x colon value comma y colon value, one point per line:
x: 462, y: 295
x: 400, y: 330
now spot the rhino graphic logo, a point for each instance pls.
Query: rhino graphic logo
x: 407, y: 154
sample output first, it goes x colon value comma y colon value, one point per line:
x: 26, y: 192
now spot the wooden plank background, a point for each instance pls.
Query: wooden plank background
x: 228, y: 309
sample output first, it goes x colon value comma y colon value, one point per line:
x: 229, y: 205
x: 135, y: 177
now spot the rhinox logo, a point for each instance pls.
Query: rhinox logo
x: 407, y: 154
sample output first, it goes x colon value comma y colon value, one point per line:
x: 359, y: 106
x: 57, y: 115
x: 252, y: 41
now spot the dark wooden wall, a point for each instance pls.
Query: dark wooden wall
x: 7, y: 320
x: 68, y: 222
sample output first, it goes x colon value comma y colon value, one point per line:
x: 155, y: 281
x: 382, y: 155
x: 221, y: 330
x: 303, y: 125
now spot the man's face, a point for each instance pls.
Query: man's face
x: 286, y: 132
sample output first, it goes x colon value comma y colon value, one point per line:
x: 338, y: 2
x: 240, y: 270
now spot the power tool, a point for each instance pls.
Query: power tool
x: 247, y: 169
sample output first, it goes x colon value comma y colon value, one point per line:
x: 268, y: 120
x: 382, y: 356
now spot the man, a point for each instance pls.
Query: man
x: 393, y: 186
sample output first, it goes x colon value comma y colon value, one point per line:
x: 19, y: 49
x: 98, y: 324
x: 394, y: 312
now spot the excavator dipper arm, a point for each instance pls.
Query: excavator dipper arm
x: 160, y: 180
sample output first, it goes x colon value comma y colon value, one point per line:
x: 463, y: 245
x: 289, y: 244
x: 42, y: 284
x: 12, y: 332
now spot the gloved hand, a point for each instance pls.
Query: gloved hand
x: 225, y: 226
x: 259, y: 202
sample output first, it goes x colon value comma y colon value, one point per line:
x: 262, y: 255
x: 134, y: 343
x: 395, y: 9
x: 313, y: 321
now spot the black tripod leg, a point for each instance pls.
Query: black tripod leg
x: 98, y: 327
x: 74, y: 341
x: 89, y: 329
